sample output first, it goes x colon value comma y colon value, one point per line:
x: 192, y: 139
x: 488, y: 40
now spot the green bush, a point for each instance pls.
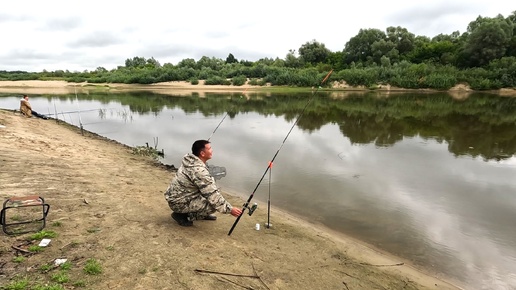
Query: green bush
x: 216, y: 80
x: 194, y: 82
x: 239, y: 80
x: 92, y: 267
x: 484, y: 84
x: 439, y: 81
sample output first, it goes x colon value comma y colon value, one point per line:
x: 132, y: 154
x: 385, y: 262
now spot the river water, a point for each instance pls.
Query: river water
x: 426, y: 177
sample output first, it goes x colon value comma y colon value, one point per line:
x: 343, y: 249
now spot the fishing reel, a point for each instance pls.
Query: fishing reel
x: 251, y: 209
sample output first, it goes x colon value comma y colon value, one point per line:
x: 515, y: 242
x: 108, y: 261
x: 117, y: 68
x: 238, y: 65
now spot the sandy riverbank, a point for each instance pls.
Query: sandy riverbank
x: 62, y: 87
x: 109, y: 205
x: 340, y: 90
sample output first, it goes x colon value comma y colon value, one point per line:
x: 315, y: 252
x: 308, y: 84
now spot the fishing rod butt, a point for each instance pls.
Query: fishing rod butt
x: 235, y: 223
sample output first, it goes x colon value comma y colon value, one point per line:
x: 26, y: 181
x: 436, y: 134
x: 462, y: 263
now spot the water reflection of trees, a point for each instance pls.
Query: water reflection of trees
x: 480, y: 125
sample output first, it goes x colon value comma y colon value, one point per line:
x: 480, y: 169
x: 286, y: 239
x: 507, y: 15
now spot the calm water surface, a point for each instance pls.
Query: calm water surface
x: 425, y: 177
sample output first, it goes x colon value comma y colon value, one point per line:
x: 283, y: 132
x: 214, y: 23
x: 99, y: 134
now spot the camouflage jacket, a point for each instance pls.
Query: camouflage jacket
x: 193, y: 181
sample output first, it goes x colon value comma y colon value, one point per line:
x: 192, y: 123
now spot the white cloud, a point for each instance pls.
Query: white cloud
x: 54, y: 35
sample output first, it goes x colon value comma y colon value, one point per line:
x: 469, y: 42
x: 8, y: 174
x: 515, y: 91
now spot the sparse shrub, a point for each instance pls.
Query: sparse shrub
x: 43, y: 235
x: 92, y: 267
x: 66, y: 266
x: 60, y: 277
x: 239, y: 80
x: 45, y: 267
x: 216, y: 80
x: 35, y: 248
x: 19, y: 259
x: 79, y: 283
x: 17, y: 284
x: 48, y: 287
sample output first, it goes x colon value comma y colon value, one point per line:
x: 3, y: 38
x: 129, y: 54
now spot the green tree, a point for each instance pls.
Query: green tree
x: 511, y: 51
x: 439, y: 52
x: 213, y: 63
x: 135, y: 62
x: 336, y: 60
x: 359, y: 47
x: 292, y: 61
x: 384, y: 49
x: 489, y: 39
x: 231, y: 59
x: 152, y: 63
x: 100, y: 70
x: 314, y: 52
x: 187, y: 63
x: 401, y: 38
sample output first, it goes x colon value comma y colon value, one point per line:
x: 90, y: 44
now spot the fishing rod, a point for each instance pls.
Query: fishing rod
x: 269, y: 166
x: 78, y: 111
x: 217, y: 171
x: 218, y: 126
x: 268, y: 224
x: 55, y: 110
x: 71, y: 112
x: 225, y: 115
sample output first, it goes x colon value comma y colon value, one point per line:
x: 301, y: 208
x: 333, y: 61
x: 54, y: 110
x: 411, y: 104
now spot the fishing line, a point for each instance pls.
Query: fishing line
x: 225, y: 115
x: 79, y: 111
x: 269, y: 166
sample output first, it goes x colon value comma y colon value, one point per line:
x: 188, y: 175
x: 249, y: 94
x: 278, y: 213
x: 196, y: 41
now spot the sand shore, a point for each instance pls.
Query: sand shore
x: 340, y: 90
x: 63, y: 87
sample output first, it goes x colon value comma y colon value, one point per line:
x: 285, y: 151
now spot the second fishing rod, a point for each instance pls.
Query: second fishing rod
x: 225, y: 115
x: 269, y: 166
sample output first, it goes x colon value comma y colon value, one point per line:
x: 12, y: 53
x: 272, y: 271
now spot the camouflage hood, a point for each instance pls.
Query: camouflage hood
x: 190, y: 162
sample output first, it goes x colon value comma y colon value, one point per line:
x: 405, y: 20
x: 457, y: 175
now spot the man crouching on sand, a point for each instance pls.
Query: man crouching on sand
x: 26, y: 108
x: 193, y: 194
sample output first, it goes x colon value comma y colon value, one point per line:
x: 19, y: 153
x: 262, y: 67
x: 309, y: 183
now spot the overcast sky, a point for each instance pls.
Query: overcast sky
x: 83, y: 35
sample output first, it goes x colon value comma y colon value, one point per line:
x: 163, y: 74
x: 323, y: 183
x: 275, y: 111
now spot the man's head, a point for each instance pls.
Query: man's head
x: 25, y: 97
x: 202, y: 149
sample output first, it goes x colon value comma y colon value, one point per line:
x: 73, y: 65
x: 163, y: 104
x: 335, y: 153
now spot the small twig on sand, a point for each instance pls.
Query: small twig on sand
x: 388, y: 265
x: 22, y: 250
x: 345, y: 284
x: 235, y: 283
x: 348, y: 275
x: 228, y: 274
x: 263, y: 283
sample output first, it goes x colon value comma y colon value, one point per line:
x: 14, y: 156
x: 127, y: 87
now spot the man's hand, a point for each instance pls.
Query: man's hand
x: 236, y: 211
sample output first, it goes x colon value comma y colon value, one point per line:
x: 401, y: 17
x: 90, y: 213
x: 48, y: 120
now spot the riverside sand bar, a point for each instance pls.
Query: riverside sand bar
x: 182, y: 87
x: 110, y: 206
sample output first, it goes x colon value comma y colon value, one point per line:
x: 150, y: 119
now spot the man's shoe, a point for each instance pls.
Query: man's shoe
x: 182, y: 219
x: 211, y: 217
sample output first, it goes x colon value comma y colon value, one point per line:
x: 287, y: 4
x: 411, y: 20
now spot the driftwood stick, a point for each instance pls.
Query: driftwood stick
x: 372, y: 265
x: 388, y: 265
x: 227, y: 274
x: 261, y: 281
x: 348, y: 275
x: 345, y: 284
x: 234, y: 283
x: 22, y: 250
